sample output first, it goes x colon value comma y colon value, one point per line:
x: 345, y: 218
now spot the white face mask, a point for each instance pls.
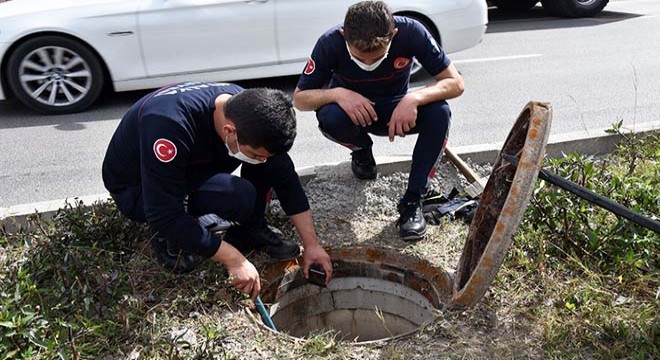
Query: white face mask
x: 240, y: 156
x: 368, y: 67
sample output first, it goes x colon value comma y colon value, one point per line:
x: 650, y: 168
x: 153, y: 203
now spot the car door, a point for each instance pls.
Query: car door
x: 194, y: 36
x: 301, y: 22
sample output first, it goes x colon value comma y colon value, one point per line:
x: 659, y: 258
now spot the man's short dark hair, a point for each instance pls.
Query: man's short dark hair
x: 264, y: 118
x: 368, y: 25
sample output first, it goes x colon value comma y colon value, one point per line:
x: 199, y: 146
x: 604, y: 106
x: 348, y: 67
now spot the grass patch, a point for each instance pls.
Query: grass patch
x: 578, y: 283
x: 84, y: 283
x: 588, y: 278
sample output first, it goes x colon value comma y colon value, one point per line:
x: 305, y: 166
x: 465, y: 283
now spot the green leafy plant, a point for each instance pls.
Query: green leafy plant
x: 83, y: 285
x: 630, y: 177
x: 596, y: 275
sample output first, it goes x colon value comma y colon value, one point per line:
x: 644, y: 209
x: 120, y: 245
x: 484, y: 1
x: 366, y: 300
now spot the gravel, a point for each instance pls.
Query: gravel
x: 349, y: 212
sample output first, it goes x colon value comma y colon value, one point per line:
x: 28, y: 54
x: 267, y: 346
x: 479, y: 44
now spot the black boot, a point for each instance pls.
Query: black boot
x: 412, y: 225
x: 363, y: 164
x: 266, y: 238
x: 171, y: 258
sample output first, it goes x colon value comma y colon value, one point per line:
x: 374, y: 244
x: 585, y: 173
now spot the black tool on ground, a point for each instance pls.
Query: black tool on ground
x: 316, y: 275
x: 592, y: 197
x: 435, y: 206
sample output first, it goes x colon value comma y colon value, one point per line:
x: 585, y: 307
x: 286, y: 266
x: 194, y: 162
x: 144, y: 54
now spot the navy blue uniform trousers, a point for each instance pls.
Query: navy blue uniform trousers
x: 432, y: 127
x: 240, y: 199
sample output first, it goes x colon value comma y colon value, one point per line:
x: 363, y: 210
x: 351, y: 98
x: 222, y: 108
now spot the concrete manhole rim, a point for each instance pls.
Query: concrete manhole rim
x: 259, y: 322
x: 436, y: 277
x: 391, y: 256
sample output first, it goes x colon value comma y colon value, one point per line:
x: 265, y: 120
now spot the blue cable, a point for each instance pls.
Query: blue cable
x: 265, y: 317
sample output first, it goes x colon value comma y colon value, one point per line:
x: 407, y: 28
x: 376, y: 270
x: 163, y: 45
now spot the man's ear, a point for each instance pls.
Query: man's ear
x: 341, y: 31
x: 394, y: 32
x: 228, y: 129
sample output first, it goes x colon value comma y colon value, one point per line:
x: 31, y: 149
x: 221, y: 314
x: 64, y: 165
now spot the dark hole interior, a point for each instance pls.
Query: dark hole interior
x: 364, y: 302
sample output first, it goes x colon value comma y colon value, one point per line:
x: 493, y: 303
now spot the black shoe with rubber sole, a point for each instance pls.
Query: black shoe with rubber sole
x: 412, y: 225
x: 266, y: 238
x: 363, y: 164
x: 172, y: 259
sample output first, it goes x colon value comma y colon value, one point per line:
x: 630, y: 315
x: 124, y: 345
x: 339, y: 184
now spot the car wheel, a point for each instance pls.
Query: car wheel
x: 574, y: 8
x: 55, y: 75
x: 514, y: 4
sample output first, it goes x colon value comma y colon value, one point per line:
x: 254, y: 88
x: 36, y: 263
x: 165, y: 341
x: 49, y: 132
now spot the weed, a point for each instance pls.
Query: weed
x: 598, y: 273
x: 575, y: 227
x: 578, y: 283
x: 320, y: 344
x: 82, y: 285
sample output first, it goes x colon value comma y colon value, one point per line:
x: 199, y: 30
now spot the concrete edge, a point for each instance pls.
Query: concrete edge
x: 593, y: 142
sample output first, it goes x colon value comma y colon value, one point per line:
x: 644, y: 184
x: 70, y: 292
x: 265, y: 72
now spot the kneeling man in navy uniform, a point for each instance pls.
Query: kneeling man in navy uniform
x: 169, y: 164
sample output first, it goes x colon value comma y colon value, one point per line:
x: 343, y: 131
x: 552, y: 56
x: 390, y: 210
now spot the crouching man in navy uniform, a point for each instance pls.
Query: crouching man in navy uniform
x: 169, y: 164
x: 367, y: 64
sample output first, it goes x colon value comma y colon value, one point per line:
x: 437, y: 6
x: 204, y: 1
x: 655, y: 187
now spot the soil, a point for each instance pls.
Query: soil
x: 347, y: 212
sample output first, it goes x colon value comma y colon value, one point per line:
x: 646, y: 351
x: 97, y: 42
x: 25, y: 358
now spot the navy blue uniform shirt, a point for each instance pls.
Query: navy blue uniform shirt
x: 167, y: 145
x: 331, y: 63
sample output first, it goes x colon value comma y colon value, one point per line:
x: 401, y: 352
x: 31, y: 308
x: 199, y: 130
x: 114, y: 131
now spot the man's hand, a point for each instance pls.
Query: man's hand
x: 242, y: 274
x: 404, y: 117
x: 315, y: 254
x: 359, y: 108
x: 244, y: 277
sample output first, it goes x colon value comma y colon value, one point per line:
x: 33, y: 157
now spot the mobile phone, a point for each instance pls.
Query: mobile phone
x: 316, y: 275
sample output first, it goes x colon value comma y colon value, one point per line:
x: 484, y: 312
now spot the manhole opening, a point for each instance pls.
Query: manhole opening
x: 366, y: 301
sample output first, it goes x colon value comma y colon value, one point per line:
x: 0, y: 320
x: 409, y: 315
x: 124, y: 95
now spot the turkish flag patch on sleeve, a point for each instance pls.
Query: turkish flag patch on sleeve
x: 401, y: 62
x: 310, y: 67
x: 165, y: 150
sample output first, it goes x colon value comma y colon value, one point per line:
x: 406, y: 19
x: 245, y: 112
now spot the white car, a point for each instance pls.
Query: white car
x: 56, y: 56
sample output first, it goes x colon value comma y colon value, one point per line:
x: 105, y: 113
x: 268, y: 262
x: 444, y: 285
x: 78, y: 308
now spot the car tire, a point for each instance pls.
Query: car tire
x: 55, y: 75
x: 551, y: 7
x: 574, y: 8
x: 514, y: 4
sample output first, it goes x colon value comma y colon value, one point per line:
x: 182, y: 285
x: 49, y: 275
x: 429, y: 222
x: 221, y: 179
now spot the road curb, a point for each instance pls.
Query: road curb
x: 592, y: 142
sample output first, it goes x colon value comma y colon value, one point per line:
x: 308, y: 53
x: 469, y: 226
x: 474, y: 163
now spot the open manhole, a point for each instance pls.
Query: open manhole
x: 380, y: 294
x: 375, y: 294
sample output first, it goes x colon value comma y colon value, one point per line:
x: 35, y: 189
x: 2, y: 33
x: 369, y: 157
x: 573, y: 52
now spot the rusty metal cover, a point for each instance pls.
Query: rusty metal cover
x: 502, y: 205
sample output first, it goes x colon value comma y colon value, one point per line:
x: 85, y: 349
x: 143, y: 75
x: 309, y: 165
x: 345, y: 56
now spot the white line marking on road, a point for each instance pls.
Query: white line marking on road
x: 499, y: 58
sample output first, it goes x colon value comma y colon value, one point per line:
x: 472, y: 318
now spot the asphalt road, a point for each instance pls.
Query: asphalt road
x: 594, y: 71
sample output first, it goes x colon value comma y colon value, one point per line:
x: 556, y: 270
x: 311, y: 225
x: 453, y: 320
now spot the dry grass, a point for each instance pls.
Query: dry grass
x: 94, y: 292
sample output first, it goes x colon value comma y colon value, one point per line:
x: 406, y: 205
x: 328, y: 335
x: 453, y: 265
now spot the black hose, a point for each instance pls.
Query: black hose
x: 592, y: 197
